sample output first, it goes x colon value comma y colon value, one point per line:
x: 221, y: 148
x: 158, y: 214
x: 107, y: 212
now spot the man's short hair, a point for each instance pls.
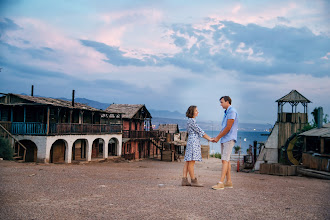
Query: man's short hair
x: 190, y: 111
x: 226, y: 98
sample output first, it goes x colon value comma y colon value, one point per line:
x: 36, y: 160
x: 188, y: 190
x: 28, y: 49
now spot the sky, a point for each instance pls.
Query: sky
x: 169, y: 54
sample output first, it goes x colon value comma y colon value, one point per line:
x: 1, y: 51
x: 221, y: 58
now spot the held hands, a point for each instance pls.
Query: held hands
x: 214, y: 140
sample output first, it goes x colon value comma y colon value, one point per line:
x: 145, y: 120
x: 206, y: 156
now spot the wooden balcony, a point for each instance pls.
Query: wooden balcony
x: 141, y: 134
x: 36, y: 128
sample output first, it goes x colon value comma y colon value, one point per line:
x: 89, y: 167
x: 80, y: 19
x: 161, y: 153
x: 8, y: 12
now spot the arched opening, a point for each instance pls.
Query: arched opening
x: 112, y: 147
x: 79, y: 150
x: 31, y: 150
x: 97, y: 148
x: 57, y: 151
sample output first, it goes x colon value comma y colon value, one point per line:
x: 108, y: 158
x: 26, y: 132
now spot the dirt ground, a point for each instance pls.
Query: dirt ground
x: 150, y: 189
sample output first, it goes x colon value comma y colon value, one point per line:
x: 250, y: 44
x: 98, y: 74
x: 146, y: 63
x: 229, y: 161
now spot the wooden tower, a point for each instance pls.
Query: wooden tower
x: 291, y: 122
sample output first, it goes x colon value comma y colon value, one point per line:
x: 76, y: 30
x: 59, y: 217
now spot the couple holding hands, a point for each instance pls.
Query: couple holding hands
x: 228, y: 136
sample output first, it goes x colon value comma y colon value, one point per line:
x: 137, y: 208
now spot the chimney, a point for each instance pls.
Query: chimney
x: 32, y: 90
x: 319, y: 117
x: 72, y: 98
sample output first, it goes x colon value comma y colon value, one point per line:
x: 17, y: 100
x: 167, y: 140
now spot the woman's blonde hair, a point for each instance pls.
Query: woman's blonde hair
x: 190, y: 111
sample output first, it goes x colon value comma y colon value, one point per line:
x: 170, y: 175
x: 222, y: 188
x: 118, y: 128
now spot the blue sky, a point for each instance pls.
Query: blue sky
x: 169, y: 54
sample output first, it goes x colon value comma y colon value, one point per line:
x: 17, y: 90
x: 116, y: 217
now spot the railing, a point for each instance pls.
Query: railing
x: 19, y: 144
x: 66, y: 128
x: 140, y: 134
x: 28, y: 128
x: 36, y: 128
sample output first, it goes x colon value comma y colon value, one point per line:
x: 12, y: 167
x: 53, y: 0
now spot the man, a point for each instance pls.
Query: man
x: 228, y: 136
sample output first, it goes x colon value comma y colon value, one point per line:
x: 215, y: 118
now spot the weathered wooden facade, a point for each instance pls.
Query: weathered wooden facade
x: 54, y: 130
x: 291, y: 122
x: 139, y: 140
x: 287, y: 124
x: 316, y: 153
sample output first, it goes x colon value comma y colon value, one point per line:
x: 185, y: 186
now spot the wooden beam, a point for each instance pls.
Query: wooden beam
x: 322, y: 145
x: 48, y: 114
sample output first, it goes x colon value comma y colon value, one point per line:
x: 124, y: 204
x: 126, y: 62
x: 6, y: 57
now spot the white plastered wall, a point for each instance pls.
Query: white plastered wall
x: 44, y: 144
x: 269, y: 153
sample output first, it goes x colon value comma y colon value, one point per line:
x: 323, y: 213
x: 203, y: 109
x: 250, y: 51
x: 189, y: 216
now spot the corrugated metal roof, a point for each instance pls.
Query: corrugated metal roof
x: 129, y: 110
x: 170, y: 128
x: 318, y: 132
x: 52, y: 102
x: 294, y: 96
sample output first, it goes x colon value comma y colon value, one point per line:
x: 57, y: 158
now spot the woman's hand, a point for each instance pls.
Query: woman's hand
x: 214, y: 140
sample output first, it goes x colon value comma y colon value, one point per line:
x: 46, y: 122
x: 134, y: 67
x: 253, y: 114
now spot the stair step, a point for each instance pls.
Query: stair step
x: 18, y: 158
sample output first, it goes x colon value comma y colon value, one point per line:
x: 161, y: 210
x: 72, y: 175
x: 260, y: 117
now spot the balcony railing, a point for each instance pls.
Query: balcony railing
x: 66, y: 128
x: 141, y: 134
x: 36, y: 128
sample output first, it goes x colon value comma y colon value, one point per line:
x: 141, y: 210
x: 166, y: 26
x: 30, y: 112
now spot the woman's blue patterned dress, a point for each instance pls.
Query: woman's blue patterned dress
x: 193, y: 149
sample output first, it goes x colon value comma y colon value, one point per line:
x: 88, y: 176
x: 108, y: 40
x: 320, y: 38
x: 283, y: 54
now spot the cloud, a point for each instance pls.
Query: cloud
x: 251, y: 49
x: 114, y: 55
x: 283, y: 20
x: 7, y: 24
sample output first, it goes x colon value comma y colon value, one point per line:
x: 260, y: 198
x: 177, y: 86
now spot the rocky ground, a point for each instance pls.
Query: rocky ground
x: 150, y: 189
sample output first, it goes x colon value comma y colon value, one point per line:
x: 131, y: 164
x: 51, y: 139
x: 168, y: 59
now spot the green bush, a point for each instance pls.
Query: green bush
x: 237, y: 149
x: 216, y: 155
x: 6, y: 151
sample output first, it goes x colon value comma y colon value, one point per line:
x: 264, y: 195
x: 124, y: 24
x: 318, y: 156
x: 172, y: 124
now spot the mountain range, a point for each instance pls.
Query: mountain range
x: 175, y: 117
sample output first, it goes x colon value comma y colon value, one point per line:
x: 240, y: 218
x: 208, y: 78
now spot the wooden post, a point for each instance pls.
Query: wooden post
x: 254, y: 151
x: 58, y: 115
x: 70, y: 121
x: 48, y: 114
x: 322, y: 145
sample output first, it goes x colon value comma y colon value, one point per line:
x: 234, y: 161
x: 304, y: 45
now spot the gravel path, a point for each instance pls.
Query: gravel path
x: 151, y: 189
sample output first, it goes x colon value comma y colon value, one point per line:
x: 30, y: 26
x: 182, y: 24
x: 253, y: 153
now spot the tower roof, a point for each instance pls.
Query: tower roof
x: 294, y: 96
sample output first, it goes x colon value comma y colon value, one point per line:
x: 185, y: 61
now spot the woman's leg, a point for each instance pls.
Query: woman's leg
x: 185, y: 169
x: 191, y: 165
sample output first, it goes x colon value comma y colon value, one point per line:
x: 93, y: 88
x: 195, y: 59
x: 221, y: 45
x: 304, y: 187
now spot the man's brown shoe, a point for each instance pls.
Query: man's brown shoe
x: 229, y: 185
x: 195, y: 183
x: 185, y: 182
x: 218, y: 186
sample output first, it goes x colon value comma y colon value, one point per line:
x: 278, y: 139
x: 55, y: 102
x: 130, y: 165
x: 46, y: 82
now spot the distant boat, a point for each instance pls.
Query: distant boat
x: 264, y: 134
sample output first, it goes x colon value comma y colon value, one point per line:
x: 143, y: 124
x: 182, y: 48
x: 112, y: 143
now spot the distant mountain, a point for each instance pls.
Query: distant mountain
x: 175, y: 117
x: 166, y: 114
x: 207, y: 125
x: 92, y: 103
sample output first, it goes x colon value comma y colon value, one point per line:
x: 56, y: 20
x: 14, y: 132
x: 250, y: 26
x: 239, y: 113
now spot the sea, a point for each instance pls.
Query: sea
x: 244, y: 139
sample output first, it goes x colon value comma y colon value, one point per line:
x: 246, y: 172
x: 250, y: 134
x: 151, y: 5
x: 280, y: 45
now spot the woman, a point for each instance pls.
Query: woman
x: 193, y: 149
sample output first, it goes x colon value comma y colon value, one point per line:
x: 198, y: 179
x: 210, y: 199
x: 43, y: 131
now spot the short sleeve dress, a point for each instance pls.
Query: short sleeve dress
x: 193, y: 149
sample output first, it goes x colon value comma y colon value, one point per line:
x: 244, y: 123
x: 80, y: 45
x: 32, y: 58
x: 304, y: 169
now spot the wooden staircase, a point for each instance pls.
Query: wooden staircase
x: 160, y: 147
x: 17, y: 150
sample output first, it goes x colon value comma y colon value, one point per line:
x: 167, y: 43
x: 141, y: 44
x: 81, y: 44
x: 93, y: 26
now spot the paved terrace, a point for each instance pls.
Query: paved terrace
x: 122, y: 190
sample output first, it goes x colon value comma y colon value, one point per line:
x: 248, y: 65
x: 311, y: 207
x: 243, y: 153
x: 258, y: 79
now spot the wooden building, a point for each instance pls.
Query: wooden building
x: 291, y: 122
x: 139, y: 140
x: 316, y: 153
x: 287, y: 124
x: 54, y: 130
